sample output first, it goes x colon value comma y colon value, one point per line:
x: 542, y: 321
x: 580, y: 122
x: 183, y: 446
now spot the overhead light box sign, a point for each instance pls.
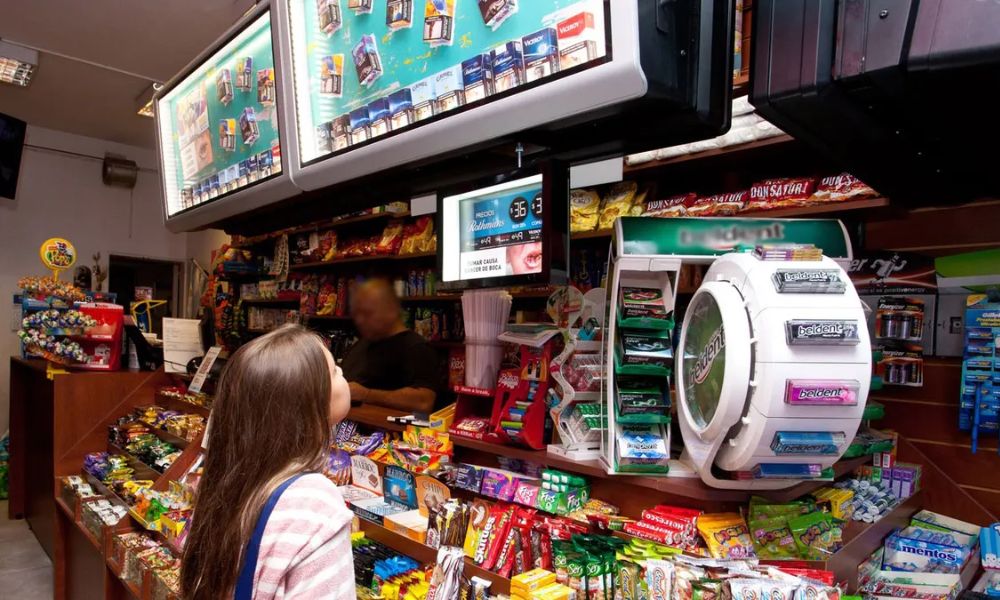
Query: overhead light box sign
x: 218, y: 127
x: 365, y: 71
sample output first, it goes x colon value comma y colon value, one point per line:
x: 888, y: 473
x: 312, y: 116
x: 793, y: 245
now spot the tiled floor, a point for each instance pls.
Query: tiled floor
x: 25, y: 570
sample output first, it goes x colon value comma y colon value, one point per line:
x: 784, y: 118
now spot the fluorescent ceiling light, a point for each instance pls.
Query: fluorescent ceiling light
x: 17, y: 63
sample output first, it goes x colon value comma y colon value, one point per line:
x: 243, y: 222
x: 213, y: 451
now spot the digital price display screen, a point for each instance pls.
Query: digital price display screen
x: 494, y: 232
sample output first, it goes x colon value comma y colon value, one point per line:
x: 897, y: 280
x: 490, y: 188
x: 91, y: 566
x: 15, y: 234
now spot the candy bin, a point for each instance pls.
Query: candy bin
x: 166, y: 583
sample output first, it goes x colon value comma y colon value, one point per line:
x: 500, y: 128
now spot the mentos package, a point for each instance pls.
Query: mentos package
x: 989, y: 542
x: 916, y: 549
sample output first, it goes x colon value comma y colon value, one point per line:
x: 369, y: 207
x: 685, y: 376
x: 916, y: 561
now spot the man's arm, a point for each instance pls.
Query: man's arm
x: 413, y: 399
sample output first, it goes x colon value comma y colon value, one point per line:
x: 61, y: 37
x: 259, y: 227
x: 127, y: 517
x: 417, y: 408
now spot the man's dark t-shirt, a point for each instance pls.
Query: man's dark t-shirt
x: 399, y: 361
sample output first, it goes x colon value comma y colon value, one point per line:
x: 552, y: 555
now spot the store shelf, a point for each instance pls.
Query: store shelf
x: 425, y: 554
x: 729, y: 151
x: 828, y: 208
x: 142, y: 470
x: 330, y: 318
x: 337, y: 262
x: 861, y: 539
x: 522, y: 294
x: 374, y: 416
x: 271, y: 302
x: 331, y: 224
x: 70, y: 514
x: 182, y: 405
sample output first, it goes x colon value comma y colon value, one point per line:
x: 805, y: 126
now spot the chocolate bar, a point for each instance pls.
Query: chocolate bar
x: 477, y: 77
x: 824, y: 332
x: 541, y: 54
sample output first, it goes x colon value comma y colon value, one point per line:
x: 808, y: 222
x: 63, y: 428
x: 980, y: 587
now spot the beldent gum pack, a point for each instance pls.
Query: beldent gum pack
x: 822, y: 392
x: 823, y: 332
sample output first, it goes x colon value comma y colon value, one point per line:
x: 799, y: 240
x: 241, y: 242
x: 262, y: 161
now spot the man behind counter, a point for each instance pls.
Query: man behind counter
x: 390, y: 365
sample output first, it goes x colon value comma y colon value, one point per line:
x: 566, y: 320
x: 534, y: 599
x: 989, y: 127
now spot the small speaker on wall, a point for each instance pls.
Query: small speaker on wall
x: 119, y: 172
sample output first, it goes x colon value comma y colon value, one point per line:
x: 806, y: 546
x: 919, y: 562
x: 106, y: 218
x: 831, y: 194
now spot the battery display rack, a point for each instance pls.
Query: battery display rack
x: 899, y: 332
x: 980, y: 394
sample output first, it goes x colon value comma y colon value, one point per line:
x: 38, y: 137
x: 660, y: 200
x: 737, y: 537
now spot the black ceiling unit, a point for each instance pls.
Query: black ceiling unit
x: 904, y: 93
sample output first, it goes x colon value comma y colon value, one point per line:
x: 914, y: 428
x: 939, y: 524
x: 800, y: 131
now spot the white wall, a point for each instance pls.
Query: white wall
x: 60, y: 195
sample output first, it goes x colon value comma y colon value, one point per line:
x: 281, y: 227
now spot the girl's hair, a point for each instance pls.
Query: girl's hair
x: 270, y: 420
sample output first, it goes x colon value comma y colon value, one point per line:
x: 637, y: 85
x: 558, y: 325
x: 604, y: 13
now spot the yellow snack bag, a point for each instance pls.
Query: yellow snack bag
x: 726, y: 535
x: 584, y: 210
x: 618, y: 203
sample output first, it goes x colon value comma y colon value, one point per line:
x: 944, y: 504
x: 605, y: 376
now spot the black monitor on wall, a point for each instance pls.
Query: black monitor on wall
x: 11, y: 146
x: 510, y: 229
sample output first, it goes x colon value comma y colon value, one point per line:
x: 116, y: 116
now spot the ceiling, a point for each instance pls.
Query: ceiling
x: 153, y: 39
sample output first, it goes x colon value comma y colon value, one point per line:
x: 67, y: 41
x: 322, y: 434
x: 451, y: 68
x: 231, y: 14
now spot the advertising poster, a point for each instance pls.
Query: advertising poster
x: 366, y: 68
x: 223, y: 122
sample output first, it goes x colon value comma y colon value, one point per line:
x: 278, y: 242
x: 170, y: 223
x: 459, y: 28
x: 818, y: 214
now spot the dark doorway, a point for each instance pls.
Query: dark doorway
x: 162, y: 277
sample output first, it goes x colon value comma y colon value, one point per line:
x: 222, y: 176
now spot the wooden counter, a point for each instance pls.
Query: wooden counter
x: 53, y: 425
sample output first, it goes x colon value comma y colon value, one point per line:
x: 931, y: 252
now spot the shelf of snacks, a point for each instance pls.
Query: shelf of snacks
x: 359, y: 259
x: 425, y: 554
x: 180, y: 399
x: 733, y: 151
x: 270, y: 301
x: 395, y: 210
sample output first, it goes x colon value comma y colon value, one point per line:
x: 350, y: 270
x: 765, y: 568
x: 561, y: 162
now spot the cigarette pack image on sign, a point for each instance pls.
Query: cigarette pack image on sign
x: 477, y: 77
x: 808, y: 281
x: 508, y: 66
x: 340, y: 132
x: 825, y: 332
x: 422, y: 93
x: 331, y: 82
x: 399, y: 14
x: 449, y: 89
x: 265, y: 86
x: 232, y: 175
x: 244, y: 74
x: 578, y: 43
x: 367, y: 60
x: 329, y: 15
x: 323, y: 138
x: 495, y: 12
x: 276, y: 156
x: 244, y: 177
x: 359, y: 125
x: 248, y: 126
x: 541, y: 54
x: 378, y: 115
x: 360, y: 7
x: 224, y: 86
x: 227, y: 134
x: 439, y: 22
x: 265, y: 163
x: 400, y: 109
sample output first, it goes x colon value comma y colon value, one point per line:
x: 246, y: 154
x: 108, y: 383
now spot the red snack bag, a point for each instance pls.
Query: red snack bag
x: 842, y: 187
x: 674, y: 206
x: 494, y: 536
x: 781, y: 193
x: 718, y: 205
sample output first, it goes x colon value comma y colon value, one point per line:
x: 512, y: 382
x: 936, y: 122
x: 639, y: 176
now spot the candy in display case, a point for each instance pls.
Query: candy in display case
x: 220, y: 130
x: 437, y: 76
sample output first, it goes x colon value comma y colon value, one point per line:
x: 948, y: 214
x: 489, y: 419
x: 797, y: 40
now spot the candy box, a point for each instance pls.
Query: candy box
x: 642, y: 448
x: 469, y: 477
x: 376, y: 509
x: 925, y: 550
x: 932, y: 520
x: 989, y: 541
x: 411, y: 524
x: 639, y: 347
x: 500, y: 484
x: 893, y: 584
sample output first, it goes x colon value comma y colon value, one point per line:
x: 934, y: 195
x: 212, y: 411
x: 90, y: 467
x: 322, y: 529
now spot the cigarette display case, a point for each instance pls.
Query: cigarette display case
x: 375, y: 88
x: 220, y: 129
